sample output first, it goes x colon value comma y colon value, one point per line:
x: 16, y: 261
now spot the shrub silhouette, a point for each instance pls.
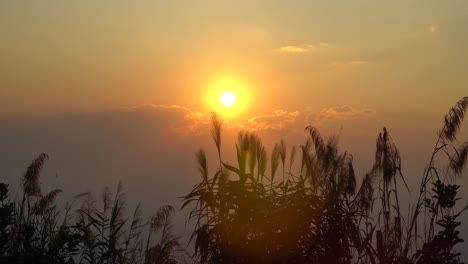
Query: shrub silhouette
x: 35, y: 230
x: 244, y: 214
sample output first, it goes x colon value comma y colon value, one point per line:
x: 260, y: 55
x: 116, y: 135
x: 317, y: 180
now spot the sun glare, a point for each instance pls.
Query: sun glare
x: 227, y: 97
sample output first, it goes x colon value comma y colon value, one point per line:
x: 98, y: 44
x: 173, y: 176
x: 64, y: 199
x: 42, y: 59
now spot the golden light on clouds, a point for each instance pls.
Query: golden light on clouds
x: 227, y: 97
x: 293, y: 49
x: 302, y: 48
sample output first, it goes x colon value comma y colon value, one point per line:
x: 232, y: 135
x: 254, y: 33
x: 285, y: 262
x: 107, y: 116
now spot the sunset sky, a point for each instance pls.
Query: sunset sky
x: 123, y: 90
x: 66, y: 56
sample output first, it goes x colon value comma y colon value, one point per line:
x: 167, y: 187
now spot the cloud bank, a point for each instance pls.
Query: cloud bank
x: 278, y: 120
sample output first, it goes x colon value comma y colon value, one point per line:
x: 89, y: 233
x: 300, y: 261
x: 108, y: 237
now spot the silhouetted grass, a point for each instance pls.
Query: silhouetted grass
x: 35, y: 230
x: 244, y: 214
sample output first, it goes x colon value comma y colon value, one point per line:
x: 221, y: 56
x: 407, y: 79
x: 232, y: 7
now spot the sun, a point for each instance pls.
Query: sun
x: 227, y: 99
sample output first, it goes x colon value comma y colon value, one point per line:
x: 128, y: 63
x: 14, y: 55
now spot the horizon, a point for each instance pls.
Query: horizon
x: 124, y: 91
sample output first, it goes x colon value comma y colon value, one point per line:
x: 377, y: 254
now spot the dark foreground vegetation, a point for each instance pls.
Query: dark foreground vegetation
x: 264, y: 209
x: 259, y: 211
x: 34, y: 230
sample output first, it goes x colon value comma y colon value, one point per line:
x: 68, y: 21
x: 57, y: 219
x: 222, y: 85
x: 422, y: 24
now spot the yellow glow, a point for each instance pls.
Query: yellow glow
x: 227, y: 97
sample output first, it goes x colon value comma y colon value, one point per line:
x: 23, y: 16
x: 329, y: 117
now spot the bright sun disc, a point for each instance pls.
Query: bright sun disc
x: 228, y: 98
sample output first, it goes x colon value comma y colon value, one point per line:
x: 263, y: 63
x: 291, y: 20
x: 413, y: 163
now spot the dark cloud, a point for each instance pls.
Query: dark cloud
x: 149, y: 148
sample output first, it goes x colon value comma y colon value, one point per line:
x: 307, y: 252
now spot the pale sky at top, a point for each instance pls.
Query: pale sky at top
x: 69, y: 56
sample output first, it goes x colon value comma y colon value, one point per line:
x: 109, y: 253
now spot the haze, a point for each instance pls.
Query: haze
x: 120, y: 90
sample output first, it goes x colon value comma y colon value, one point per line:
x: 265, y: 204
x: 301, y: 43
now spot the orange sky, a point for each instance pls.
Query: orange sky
x: 123, y: 89
x: 394, y: 56
x: 349, y: 67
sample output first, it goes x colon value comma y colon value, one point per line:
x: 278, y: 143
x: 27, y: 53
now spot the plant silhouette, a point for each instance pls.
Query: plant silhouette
x: 244, y: 214
x: 293, y: 205
x: 35, y: 230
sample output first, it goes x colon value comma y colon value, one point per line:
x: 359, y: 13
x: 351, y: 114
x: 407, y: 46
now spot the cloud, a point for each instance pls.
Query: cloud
x: 278, y: 120
x: 179, y: 119
x: 345, y: 112
x: 434, y: 28
x: 281, y: 119
x: 150, y: 148
x: 292, y: 49
x: 301, y: 48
